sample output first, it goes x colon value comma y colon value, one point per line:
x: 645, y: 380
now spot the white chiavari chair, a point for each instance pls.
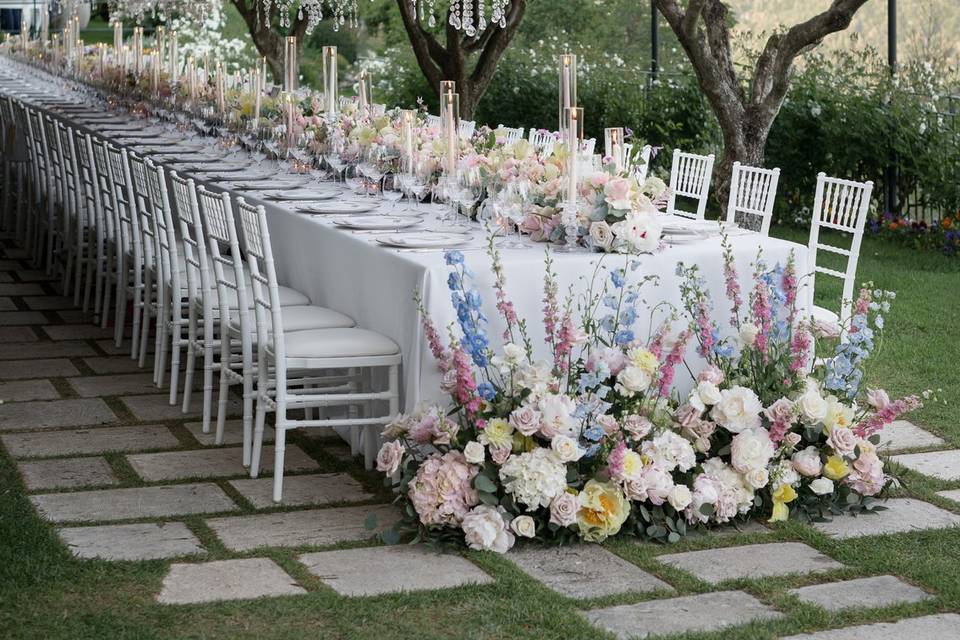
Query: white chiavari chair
x: 690, y: 177
x: 33, y: 197
x: 74, y: 225
x: 542, y: 140
x: 41, y: 178
x: 16, y: 159
x: 840, y: 206
x: 92, y: 212
x: 752, y: 194
x: 55, y: 191
x: 433, y: 122
x: 510, y: 134
x: 301, y: 353
x: 588, y: 146
x: 110, y: 261
x: 151, y: 300
x: 129, y: 278
x: 467, y: 127
x: 639, y: 163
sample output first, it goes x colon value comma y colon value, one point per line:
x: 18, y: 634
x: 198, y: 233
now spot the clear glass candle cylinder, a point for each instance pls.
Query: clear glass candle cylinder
x: 330, y: 81
x: 613, y: 146
x: 567, y: 68
x: 290, y: 67
x: 451, y: 128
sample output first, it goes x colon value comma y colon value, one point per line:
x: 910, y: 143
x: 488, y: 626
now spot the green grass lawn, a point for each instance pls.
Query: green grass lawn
x: 44, y: 593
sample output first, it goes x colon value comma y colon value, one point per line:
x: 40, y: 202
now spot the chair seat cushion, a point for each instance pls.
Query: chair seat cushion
x: 288, y: 298
x: 338, y: 343
x: 824, y: 315
x: 303, y: 318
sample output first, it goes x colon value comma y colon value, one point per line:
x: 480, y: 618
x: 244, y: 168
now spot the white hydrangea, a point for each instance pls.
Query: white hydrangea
x: 534, y: 478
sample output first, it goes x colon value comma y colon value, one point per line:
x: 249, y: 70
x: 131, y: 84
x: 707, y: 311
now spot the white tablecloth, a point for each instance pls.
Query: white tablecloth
x: 374, y: 285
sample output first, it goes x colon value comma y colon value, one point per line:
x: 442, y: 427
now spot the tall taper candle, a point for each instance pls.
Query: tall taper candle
x: 174, y: 58
x: 290, y: 68
x: 568, y: 85
x: 330, y: 82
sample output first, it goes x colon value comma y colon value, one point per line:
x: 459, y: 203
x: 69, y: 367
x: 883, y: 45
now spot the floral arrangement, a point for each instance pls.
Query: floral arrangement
x: 596, y: 440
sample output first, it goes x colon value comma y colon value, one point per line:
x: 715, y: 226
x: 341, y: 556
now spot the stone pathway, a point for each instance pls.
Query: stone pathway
x: 124, y: 476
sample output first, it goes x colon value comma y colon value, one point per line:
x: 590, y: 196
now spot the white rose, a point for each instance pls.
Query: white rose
x: 513, y: 353
x: 748, y: 334
x: 474, y: 452
x: 556, y: 415
x: 822, y: 486
x: 708, y: 392
x: 633, y: 380
x: 757, y: 478
x: 566, y: 448
x: 807, y: 462
x: 390, y: 457
x: 751, y: 449
x: 601, y: 235
x: 843, y: 441
x: 813, y: 408
x: 739, y: 408
x: 680, y: 497
x: 524, y: 526
x: 696, y: 402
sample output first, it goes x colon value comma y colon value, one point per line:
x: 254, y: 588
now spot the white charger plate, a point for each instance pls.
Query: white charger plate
x: 425, y: 240
x: 343, y: 207
x: 377, y: 223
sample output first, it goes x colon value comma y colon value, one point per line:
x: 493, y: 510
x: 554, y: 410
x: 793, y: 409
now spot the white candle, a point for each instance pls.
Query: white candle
x: 568, y: 85
x: 174, y: 58
x: 451, y: 107
x: 44, y: 23
x: 290, y: 67
x: 573, y: 147
x: 221, y: 90
x: 407, y: 119
x: 117, y: 36
x: 364, y: 98
x: 256, y: 87
x: 613, y: 138
x: 330, y: 80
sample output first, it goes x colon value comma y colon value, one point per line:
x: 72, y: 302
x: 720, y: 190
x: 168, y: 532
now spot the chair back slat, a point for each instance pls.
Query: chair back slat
x: 510, y: 134
x: 542, y: 140
x: 224, y: 247
x: 191, y: 234
x: 263, y: 281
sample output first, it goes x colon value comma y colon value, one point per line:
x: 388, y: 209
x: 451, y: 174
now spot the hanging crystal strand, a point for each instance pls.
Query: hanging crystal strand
x: 468, y: 27
x: 481, y: 19
x: 455, y: 14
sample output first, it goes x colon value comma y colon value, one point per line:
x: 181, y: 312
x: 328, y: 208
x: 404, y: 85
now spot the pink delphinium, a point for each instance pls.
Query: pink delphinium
x: 465, y: 391
x: 799, y: 350
x: 732, y: 283
x: 704, y: 330
x: 886, y: 415
x: 789, y: 284
x: 674, y: 358
x: 762, y: 316
x: 656, y: 341
x: 568, y: 336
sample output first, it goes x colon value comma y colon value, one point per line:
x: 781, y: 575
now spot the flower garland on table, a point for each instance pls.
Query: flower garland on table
x: 593, y: 441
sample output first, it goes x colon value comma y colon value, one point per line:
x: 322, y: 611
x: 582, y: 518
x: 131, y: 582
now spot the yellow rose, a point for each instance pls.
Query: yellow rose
x: 550, y: 172
x: 838, y: 415
x: 497, y: 434
x: 784, y: 495
x: 603, y: 510
x: 836, y: 468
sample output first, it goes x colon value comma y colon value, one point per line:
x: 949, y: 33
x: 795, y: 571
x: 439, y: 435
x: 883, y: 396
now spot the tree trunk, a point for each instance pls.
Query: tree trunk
x: 269, y: 43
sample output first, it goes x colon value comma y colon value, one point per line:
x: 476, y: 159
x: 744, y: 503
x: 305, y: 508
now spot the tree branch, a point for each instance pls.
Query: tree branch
x: 422, y: 46
x: 497, y: 43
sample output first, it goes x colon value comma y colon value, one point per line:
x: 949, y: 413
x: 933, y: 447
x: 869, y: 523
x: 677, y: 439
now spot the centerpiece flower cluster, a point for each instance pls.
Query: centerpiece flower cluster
x: 595, y: 439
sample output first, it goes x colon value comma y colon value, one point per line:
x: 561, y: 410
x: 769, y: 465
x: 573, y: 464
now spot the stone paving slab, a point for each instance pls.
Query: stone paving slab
x: 55, y: 413
x: 115, y: 385
x: 226, y: 580
x: 6, y: 304
x: 26, y: 390
x: 212, y: 463
x: 10, y: 265
x: 48, y: 303
x: 315, y: 527
x: 953, y: 494
x: 751, y: 561
x: 861, y: 593
x: 77, y: 331
x: 5, y: 277
x: 11, y: 318
x: 17, y: 334
x: 35, y: 275
x: 232, y: 433
x: 79, y: 316
x: 935, y: 627
x: 731, y: 529
x: 66, y: 473
x: 18, y: 289
x: 905, y: 435
x: 110, y: 348
x: 144, y: 541
x: 114, y: 364
x: 584, y: 571
x: 703, y: 612
x: 136, y: 502
x: 901, y: 515
x: 16, y: 254
x: 36, y: 368
x: 156, y: 406
x: 86, y: 441
x: 943, y: 465
x: 301, y: 491
x: 31, y: 350
x: 400, y: 568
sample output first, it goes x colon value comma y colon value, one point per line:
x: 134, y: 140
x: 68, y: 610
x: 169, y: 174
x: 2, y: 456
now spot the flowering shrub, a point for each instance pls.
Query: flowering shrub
x: 941, y: 235
x: 596, y: 441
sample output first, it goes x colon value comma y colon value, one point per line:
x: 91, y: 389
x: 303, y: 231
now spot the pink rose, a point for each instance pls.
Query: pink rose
x: 499, y: 454
x: 609, y: 424
x: 617, y: 191
x: 563, y: 509
x: 637, y: 426
x: 599, y: 179
x: 687, y: 415
x: 843, y: 441
x: 526, y: 420
x: 711, y: 374
x: 390, y: 457
x: 867, y: 477
x: 780, y: 412
x: 791, y: 440
x: 807, y: 462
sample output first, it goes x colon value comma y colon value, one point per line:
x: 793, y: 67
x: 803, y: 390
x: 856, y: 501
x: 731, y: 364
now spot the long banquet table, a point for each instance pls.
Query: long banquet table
x: 351, y: 272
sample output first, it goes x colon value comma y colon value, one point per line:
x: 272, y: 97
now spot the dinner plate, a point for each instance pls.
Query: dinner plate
x: 424, y: 240
x: 277, y: 195
x: 375, y: 223
x: 345, y: 207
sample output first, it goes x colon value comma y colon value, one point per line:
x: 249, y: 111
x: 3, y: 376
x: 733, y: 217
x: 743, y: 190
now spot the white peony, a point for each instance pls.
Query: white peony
x: 524, y: 526
x: 807, y: 462
x: 739, y: 408
x: 485, y: 530
x: 640, y: 231
x: 474, y: 452
x: 633, y: 380
x: 534, y: 478
x: 670, y: 451
x: 556, y: 415
x: 748, y: 334
x: 566, y: 448
x: 751, y: 449
x: 822, y: 486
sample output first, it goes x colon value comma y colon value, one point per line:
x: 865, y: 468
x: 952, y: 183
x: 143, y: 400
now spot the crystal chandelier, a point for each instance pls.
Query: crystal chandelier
x: 471, y: 17
x: 139, y: 9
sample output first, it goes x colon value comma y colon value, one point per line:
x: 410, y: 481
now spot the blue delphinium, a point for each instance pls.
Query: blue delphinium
x: 467, y: 302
